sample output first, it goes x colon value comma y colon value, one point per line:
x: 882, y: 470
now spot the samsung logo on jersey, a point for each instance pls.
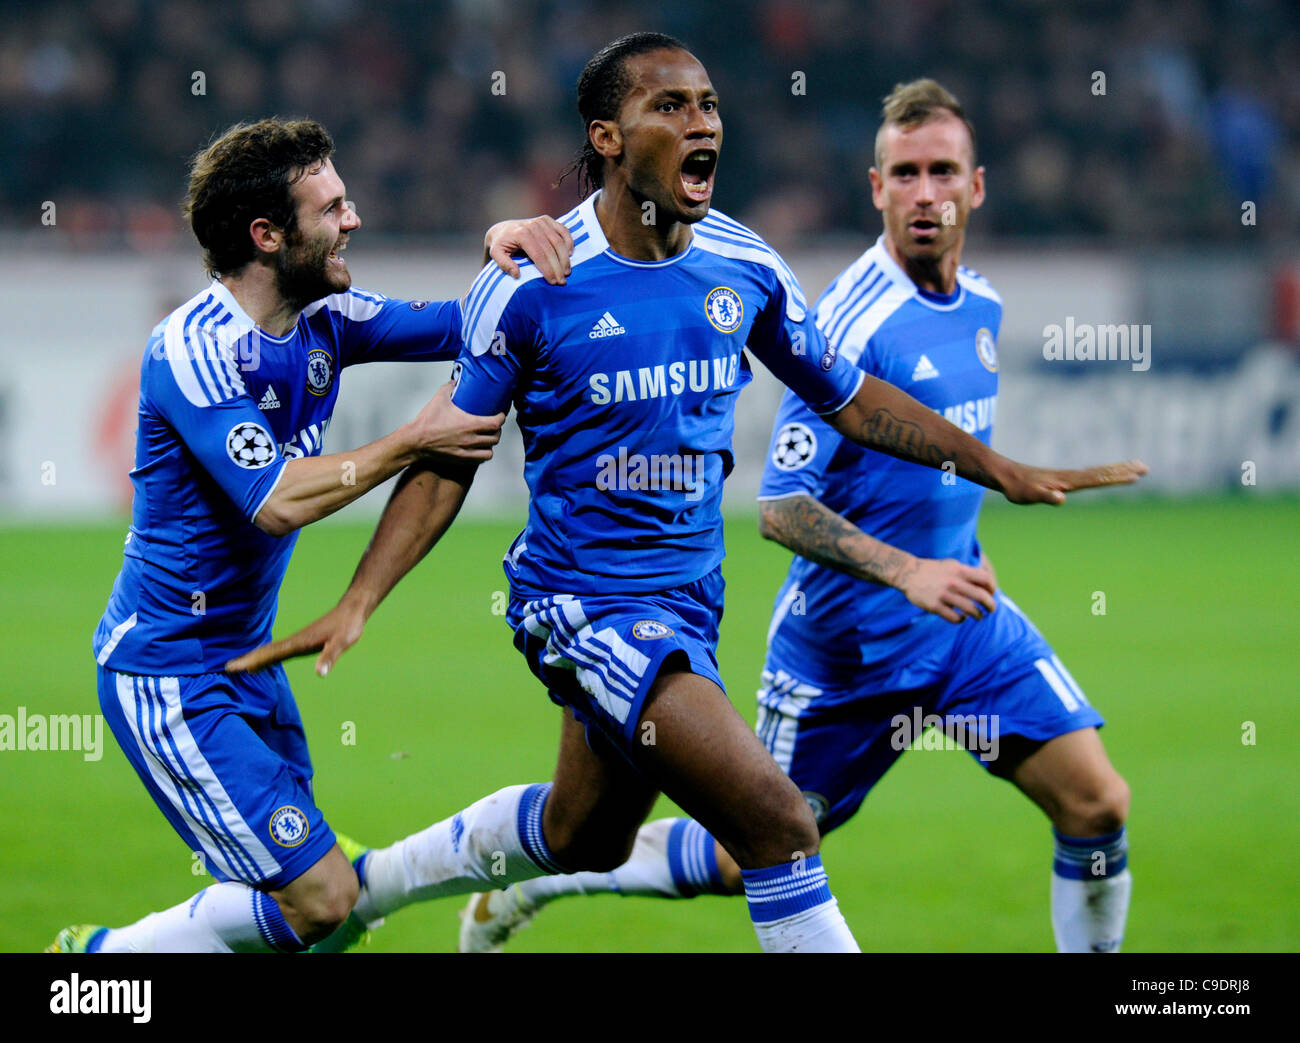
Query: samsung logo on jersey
x: 306, y: 441
x: 660, y: 381
x: 973, y: 415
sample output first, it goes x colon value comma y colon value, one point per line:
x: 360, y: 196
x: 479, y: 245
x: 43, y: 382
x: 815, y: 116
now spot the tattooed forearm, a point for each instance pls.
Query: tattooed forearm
x: 885, y: 418
x: 891, y: 434
x: 813, y: 531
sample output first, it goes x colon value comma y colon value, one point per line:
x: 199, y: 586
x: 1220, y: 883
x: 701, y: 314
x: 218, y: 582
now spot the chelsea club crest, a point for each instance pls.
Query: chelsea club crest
x: 986, y: 350
x: 288, y: 826
x: 724, y: 309
x: 320, y: 371
x: 650, y: 629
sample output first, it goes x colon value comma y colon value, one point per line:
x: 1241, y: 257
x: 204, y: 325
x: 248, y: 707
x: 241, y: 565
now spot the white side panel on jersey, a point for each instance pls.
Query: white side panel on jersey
x: 783, y: 606
x: 481, y: 317
x: 212, y: 340
x: 729, y: 226
x: 350, y: 305
x: 197, y: 345
x: 843, y: 287
x: 853, y: 340
x: 116, y: 636
x: 973, y: 282
x: 182, y: 366
x: 481, y: 330
x: 202, y: 360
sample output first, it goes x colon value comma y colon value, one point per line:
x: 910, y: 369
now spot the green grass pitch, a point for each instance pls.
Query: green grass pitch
x: 1199, y: 637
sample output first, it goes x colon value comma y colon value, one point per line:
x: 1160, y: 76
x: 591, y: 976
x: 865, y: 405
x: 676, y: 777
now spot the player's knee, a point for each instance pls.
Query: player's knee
x: 592, y: 851
x: 322, y: 911
x: 1099, y: 810
x: 605, y: 859
x: 1112, y: 810
x: 326, y: 918
x: 785, y: 830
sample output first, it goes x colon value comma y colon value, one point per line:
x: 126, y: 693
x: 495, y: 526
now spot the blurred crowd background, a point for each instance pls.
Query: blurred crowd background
x: 1141, y: 164
x: 100, y: 108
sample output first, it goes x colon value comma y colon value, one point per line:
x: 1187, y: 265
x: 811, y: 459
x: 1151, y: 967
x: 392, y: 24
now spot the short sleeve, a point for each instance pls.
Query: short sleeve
x: 500, y: 340
x: 201, y: 396
x: 801, y: 448
x: 787, y: 341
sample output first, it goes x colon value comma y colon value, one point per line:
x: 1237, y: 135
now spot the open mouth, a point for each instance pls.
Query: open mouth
x: 923, y: 228
x: 697, y: 174
x: 335, y: 257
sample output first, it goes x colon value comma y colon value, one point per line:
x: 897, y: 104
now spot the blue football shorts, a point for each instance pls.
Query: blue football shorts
x: 600, y: 654
x: 995, y: 677
x: 225, y: 759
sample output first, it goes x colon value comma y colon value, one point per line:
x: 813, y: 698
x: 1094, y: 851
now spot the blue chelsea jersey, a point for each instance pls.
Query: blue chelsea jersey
x: 224, y: 407
x: 625, y: 382
x: 942, y: 351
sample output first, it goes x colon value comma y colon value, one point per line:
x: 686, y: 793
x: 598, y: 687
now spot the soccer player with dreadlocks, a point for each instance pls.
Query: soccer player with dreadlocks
x: 625, y: 381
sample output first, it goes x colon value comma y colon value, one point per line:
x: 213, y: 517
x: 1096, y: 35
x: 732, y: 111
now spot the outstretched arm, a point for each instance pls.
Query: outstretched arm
x: 812, y: 530
x: 310, y: 488
x: 884, y: 418
x: 422, y: 507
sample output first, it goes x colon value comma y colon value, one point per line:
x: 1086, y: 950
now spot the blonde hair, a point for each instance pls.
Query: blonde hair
x: 911, y: 104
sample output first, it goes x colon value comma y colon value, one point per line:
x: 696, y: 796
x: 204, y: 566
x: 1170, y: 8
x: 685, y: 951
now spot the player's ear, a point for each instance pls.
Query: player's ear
x: 267, y: 238
x: 877, y: 184
x: 977, y: 188
x: 606, y: 138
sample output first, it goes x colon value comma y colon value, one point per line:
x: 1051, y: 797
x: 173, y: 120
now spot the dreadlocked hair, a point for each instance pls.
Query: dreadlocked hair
x: 603, y: 85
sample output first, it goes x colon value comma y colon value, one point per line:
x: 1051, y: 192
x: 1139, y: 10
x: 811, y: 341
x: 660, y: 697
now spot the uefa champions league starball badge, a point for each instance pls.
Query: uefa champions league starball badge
x: 250, y: 445
x: 795, y: 446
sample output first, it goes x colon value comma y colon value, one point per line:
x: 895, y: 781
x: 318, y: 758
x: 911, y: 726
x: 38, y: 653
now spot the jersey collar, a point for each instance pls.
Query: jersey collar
x: 885, y: 262
x: 241, y: 322
x: 599, y: 244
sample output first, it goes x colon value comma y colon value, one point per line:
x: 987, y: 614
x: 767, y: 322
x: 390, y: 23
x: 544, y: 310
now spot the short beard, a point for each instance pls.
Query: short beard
x: 302, y: 278
x: 928, y: 268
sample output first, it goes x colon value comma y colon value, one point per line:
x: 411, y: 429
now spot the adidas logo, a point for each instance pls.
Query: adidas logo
x: 924, y: 369
x: 269, y: 401
x: 606, y: 326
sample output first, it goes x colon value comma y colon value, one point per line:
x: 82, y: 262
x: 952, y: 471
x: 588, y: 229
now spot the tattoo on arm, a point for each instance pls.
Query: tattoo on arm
x: 883, y: 430
x: 813, y: 531
x: 889, y: 433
